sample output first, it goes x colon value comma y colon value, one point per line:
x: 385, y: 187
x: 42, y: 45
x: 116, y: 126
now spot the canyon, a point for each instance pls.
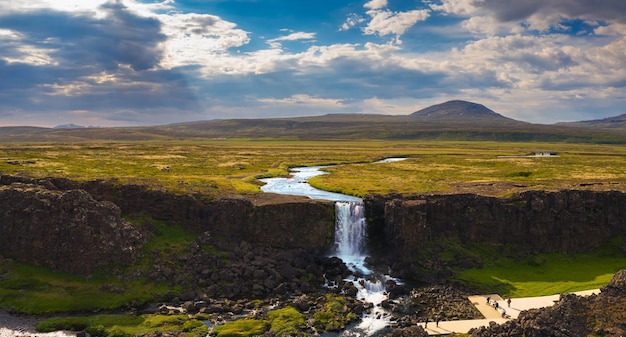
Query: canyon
x: 279, y: 245
x: 398, y: 225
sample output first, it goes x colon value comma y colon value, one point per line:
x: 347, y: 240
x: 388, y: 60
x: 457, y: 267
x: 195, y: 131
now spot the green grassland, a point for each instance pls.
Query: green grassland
x: 218, y: 168
x: 221, y: 167
x: 548, y: 274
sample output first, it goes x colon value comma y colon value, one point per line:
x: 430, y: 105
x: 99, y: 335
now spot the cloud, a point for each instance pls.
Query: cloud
x: 120, y: 37
x: 375, y: 4
x: 386, y: 22
x: 294, y: 36
x: 610, y: 10
x: 195, y: 38
x: 539, y: 15
x: 383, y: 22
x: 352, y: 20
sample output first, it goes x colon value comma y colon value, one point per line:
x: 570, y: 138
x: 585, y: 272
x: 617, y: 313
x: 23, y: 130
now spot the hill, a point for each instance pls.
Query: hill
x: 616, y: 122
x: 458, y: 110
x: 453, y: 120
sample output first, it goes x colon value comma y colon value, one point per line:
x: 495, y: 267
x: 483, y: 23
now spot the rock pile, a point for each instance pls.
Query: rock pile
x: 430, y: 302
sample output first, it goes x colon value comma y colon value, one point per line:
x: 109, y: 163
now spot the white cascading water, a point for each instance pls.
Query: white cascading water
x: 350, y: 227
x: 350, y: 240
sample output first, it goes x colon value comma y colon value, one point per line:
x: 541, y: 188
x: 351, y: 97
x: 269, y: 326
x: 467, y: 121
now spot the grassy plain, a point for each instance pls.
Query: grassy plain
x: 222, y: 167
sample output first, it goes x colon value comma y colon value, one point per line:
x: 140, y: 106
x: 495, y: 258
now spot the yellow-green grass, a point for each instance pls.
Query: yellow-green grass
x: 549, y: 274
x: 222, y: 167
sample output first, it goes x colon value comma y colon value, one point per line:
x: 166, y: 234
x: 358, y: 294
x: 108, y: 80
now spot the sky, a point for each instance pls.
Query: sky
x: 131, y: 62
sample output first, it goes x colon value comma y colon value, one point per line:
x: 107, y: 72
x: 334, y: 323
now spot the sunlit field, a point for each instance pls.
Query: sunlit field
x: 223, y: 167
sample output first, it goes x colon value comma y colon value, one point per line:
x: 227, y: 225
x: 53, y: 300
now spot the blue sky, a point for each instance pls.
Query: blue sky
x: 130, y: 62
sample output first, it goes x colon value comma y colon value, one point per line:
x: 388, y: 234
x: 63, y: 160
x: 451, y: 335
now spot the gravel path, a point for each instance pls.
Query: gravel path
x: 22, y: 325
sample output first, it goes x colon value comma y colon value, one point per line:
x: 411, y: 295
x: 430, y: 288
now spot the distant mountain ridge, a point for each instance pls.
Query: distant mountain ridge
x: 616, y: 122
x: 453, y: 120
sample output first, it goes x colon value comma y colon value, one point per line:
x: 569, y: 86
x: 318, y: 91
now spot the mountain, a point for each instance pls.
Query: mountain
x: 617, y: 122
x: 458, y: 109
x: 453, y: 120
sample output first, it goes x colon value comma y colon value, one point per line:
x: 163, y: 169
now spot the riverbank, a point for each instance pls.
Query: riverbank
x: 24, y: 325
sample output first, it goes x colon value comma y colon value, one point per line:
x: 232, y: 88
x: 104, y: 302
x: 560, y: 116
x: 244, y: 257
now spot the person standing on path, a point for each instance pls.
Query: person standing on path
x: 437, y: 321
x: 508, y: 301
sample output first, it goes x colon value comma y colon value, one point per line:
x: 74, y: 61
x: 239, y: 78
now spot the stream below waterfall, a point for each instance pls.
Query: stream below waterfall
x: 349, y: 245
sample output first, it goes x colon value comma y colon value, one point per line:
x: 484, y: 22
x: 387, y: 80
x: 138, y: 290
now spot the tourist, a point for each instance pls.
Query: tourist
x: 488, y: 300
x: 437, y: 321
x: 508, y: 301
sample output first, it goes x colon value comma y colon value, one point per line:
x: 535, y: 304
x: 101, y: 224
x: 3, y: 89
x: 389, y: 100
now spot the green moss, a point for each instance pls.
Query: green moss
x: 285, y: 321
x: 241, y: 328
x: 335, y: 314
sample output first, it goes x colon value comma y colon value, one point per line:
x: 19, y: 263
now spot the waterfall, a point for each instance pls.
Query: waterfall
x: 350, y: 241
x: 350, y: 234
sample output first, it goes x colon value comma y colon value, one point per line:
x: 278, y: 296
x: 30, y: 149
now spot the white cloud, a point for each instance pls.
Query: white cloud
x: 385, y: 22
x: 457, y: 7
x: 304, y: 99
x: 376, y: 4
x: 352, y: 20
x: 396, y: 106
x: 196, y: 38
x: 294, y: 36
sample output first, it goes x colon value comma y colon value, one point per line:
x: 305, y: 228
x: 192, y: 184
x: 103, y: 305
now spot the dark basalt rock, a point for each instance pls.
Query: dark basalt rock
x: 401, y: 227
x: 64, y: 230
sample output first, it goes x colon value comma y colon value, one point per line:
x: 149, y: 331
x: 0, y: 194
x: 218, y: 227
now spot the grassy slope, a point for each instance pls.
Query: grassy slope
x: 549, y: 274
x: 36, y: 290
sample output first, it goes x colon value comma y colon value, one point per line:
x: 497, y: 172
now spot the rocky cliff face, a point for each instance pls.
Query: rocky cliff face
x: 76, y: 226
x: 566, y: 221
x: 64, y: 230
x: 54, y: 221
x: 286, y: 222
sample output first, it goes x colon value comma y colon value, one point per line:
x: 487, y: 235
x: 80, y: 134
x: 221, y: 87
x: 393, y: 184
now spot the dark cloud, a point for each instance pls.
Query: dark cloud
x: 121, y: 37
x: 515, y: 10
x: 125, y: 46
